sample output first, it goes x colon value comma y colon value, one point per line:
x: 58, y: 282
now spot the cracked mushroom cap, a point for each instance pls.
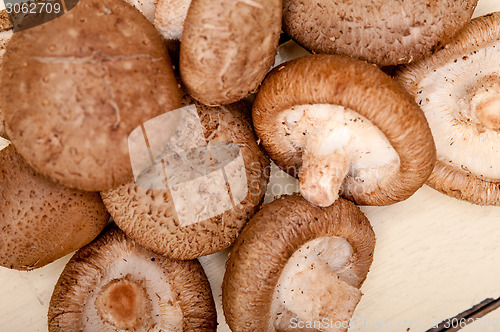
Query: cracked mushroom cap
x: 228, y: 47
x: 168, y: 221
x: 114, y: 284
x: 41, y: 221
x: 383, y: 32
x: 458, y: 88
x: 342, y: 125
x: 92, y: 76
x: 296, y: 260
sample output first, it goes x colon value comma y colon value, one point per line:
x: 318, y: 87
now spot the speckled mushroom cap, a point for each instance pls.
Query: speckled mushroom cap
x: 341, y: 124
x: 295, y: 260
x: 42, y: 221
x: 385, y: 32
x: 150, y: 216
x: 458, y: 88
x: 228, y: 47
x: 113, y: 284
x: 92, y: 76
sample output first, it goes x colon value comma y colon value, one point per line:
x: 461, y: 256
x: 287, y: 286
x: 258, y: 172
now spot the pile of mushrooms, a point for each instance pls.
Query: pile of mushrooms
x: 97, y: 120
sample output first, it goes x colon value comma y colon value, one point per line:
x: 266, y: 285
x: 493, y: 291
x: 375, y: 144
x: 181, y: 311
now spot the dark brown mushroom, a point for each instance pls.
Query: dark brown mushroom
x: 297, y: 262
x: 196, y: 210
x: 75, y: 87
x: 228, y: 47
x: 342, y: 125
x: 114, y: 284
x: 42, y: 221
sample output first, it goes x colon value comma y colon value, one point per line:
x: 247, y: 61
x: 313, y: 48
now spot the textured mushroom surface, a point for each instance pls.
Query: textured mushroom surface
x: 385, y: 32
x: 151, y: 217
x: 342, y: 125
x: 295, y: 262
x: 74, y: 88
x: 458, y: 88
x: 228, y: 47
x: 114, y: 284
x: 42, y: 221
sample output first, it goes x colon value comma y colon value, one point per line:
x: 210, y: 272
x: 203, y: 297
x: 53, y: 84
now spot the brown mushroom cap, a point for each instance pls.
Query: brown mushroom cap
x: 92, y: 76
x: 228, y: 47
x: 42, y: 221
x: 270, y: 242
x: 383, y: 32
x: 458, y: 89
x: 375, y: 100
x: 151, y: 217
x: 114, y: 284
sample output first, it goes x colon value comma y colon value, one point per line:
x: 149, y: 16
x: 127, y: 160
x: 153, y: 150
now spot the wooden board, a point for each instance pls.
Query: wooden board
x: 435, y: 257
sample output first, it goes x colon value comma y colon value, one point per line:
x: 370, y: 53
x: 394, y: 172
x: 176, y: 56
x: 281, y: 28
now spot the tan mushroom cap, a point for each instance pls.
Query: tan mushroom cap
x: 42, y: 221
x: 150, y: 216
x: 379, y: 31
x: 92, y: 76
x: 360, y: 89
x: 271, y: 240
x: 228, y: 47
x: 463, y: 110
x: 114, y: 284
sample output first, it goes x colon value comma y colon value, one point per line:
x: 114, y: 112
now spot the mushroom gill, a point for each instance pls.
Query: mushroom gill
x: 113, y: 284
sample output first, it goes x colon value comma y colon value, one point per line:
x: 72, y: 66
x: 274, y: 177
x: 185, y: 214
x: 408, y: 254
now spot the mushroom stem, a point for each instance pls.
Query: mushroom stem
x: 325, y: 164
x: 122, y: 303
x: 488, y: 112
x: 486, y: 98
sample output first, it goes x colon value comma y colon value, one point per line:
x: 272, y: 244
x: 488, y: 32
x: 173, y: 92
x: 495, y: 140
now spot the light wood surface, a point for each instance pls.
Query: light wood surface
x: 435, y: 257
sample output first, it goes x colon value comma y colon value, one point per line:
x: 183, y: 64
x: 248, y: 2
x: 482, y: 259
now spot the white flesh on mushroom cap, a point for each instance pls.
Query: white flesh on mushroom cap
x: 336, y: 143
x: 146, y: 301
x: 316, y: 283
x: 170, y: 16
x: 461, y: 101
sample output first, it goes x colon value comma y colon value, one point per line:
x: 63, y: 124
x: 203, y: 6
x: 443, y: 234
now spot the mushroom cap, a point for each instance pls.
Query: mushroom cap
x: 115, y: 284
x: 219, y: 60
x: 383, y: 32
x: 42, y: 221
x: 88, y: 90
x: 150, y: 216
x: 367, y: 91
x: 268, y: 243
x: 449, y: 86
